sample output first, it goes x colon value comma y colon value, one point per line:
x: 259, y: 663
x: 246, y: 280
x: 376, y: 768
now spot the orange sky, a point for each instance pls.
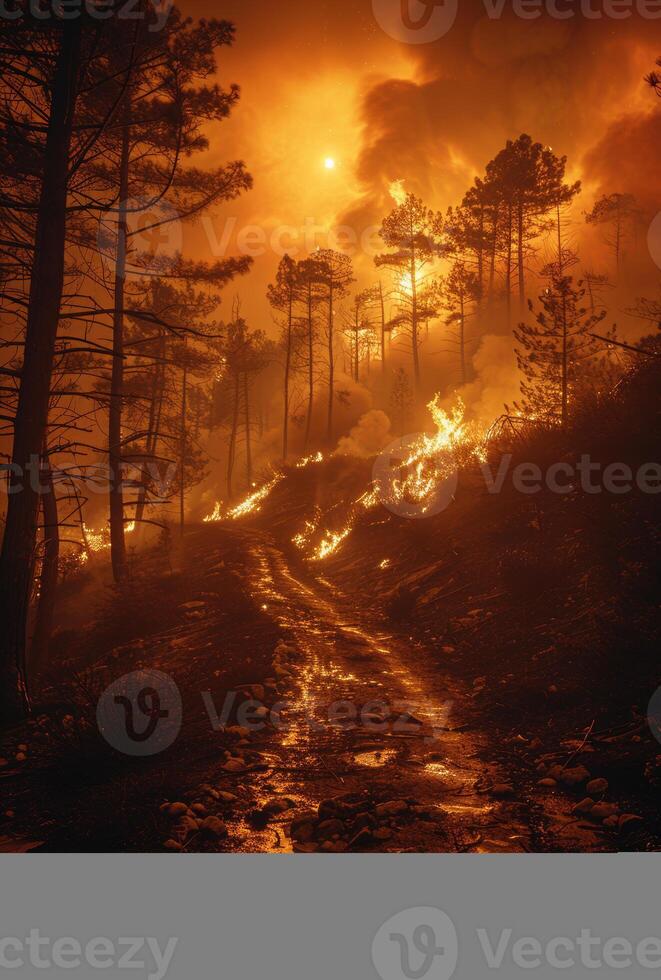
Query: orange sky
x: 323, y: 80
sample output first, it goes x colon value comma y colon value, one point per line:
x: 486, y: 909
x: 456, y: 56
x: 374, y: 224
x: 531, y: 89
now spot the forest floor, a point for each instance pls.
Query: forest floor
x: 377, y: 734
x: 476, y: 681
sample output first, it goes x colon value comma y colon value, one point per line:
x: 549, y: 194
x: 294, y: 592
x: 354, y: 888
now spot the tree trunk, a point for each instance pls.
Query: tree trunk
x: 182, y: 450
x: 331, y: 366
x: 285, y: 421
x: 522, y: 284
x: 117, y: 538
x: 32, y: 412
x: 494, y: 251
x: 308, y: 423
x: 49, y: 573
x: 383, y: 329
x: 462, y: 338
x: 231, y: 451
x: 414, y: 323
x: 508, y: 276
x: 246, y: 409
x: 152, y: 435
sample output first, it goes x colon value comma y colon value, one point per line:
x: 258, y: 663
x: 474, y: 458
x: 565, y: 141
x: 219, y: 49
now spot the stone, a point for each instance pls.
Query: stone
x: 329, y: 828
x: 177, y: 809
x: 223, y: 797
x: 213, y: 826
x: 575, y: 776
x: 172, y: 845
x: 547, y: 782
x: 383, y: 833
x: 585, y: 806
x: 628, y: 820
x: 302, y: 826
x: 602, y: 810
x: 394, y: 808
x: 597, y: 786
x: 280, y: 805
x: 234, y: 765
x: 502, y: 790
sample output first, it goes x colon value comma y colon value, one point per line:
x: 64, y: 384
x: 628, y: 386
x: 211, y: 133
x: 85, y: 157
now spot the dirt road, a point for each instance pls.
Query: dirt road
x: 363, y: 711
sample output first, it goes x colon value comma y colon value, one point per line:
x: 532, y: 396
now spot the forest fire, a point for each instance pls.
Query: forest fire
x: 256, y: 322
x: 251, y: 504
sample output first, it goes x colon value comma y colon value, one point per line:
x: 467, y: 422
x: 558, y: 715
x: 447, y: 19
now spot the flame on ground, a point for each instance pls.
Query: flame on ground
x: 431, y: 459
x: 308, y: 460
x: 251, y: 505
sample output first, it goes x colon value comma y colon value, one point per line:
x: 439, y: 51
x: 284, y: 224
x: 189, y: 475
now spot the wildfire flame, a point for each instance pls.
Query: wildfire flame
x: 248, y: 506
x: 95, y: 541
x: 308, y: 460
x: 430, y: 460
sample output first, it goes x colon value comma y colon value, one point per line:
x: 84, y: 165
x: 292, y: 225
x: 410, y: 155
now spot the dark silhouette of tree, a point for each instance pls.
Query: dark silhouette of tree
x: 462, y: 293
x: 283, y: 295
x: 401, y: 401
x: 311, y: 283
x: 654, y: 79
x: 336, y: 275
x: 529, y: 180
x: 160, y: 126
x: 414, y: 233
x: 616, y: 214
x: 44, y: 67
x: 552, y: 352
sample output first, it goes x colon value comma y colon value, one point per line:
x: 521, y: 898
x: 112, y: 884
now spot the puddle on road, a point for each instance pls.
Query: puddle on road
x: 375, y: 759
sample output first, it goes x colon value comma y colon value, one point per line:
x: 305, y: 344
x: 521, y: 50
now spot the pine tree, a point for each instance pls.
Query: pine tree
x: 401, y: 401
x: 283, y: 295
x: 462, y: 293
x: 414, y: 234
x: 529, y: 181
x: 616, y: 213
x: 552, y: 352
x: 336, y: 275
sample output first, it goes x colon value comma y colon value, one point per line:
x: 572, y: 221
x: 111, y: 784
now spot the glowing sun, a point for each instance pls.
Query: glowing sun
x: 329, y: 163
